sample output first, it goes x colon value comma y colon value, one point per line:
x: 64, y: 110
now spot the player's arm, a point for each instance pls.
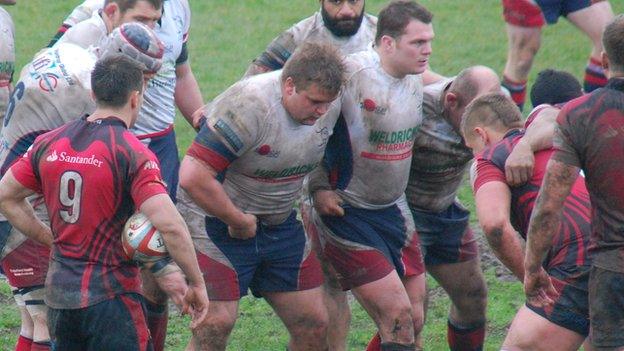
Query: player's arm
x: 493, y: 202
x: 164, y: 216
x: 275, y: 55
x: 187, y: 95
x: 538, y: 136
x: 19, y: 212
x: 430, y: 77
x: 200, y: 181
x: 544, y: 224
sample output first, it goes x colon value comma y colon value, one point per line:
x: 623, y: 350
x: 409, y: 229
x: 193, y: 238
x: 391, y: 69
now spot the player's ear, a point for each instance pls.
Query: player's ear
x: 113, y: 13
x: 483, y: 135
x: 289, y: 86
x: 387, y: 43
x: 452, y: 100
x: 135, y: 99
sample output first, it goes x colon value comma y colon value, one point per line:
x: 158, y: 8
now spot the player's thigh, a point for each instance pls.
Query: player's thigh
x: 383, y: 298
x: 592, y: 20
x: 463, y: 281
x: 310, y: 311
x: 530, y: 331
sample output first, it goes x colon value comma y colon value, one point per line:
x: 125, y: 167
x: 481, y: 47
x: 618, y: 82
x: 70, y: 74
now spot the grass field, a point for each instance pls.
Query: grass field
x: 226, y: 35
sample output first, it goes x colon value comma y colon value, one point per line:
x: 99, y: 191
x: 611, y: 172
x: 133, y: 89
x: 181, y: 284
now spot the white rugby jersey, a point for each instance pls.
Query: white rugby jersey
x: 86, y: 33
x: 266, y: 153
x: 313, y: 29
x: 440, y: 156
x: 55, y: 88
x: 7, y: 58
x: 369, y: 155
x: 83, y: 12
x: 158, y: 110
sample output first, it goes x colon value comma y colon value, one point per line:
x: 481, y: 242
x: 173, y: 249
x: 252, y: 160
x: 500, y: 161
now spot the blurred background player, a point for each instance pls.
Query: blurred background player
x: 54, y: 89
x: 588, y: 136
x: 361, y: 214
x: 174, y: 85
x: 245, y: 172
x: 93, y: 174
x: 7, y: 56
x: 492, y: 127
x: 524, y: 19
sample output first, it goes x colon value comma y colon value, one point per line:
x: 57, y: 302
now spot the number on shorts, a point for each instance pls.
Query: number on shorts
x: 13, y: 100
x: 70, y: 180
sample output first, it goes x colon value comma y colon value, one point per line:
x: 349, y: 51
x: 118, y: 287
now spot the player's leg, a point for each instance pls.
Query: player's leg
x: 38, y: 313
x: 524, y: 20
x: 592, y: 21
x: 25, y: 338
x: 465, y: 285
x: 213, y: 333
x: 530, y: 331
x: 290, y: 275
x: 452, y: 258
x: 306, y: 324
x: 415, y: 288
x: 335, y: 299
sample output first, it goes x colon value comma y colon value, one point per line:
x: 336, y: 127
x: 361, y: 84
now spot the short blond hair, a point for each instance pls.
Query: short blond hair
x: 493, y: 110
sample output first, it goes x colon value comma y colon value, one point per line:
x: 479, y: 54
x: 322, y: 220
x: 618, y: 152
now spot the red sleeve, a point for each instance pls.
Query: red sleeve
x: 486, y: 172
x: 147, y: 180
x: 24, y: 173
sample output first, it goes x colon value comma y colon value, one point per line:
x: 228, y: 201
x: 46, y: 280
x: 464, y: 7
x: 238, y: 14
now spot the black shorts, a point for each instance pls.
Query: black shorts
x: 606, y: 308
x: 117, y: 324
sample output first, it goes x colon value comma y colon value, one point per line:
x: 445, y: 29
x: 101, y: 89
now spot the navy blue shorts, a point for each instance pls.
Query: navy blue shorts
x: 164, y: 146
x: 553, y: 9
x: 446, y: 237
x: 571, y: 307
x: 278, y: 259
x: 366, y: 245
x: 117, y: 324
x: 606, y: 296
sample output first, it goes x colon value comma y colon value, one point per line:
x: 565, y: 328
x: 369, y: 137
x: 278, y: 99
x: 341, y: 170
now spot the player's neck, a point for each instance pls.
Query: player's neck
x: 105, y: 112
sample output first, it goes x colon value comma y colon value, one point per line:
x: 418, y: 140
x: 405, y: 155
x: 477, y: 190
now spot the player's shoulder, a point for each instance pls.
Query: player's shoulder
x: 369, y: 22
x: 253, y: 96
x: 86, y: 33
x: 360, y: 61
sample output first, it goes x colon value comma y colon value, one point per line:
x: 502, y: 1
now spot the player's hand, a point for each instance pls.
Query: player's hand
x: 173, y: 283
x: 198, y: 118
x: 245, y: 229
x: 519, y: 164
x: 196, y: 303
x: 539, y: 288
x: 327, y: 203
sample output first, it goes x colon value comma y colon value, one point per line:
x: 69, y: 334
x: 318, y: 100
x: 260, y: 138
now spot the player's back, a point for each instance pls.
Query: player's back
x: 53, y: 90
x: 7, y: 58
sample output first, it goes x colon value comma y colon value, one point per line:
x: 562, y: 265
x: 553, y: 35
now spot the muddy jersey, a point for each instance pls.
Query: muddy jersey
x: 7, y: 58
x: 265, y: 152
x: 83, y: 12
x: 313, y: 29
x: 440, y: 156
x: 158, y: 110
x: 55, y: 88
x: 93, y: 175
x: 89, y: 32
x: 589, y: 136
x: 570, y: 243
x: 369, y: 154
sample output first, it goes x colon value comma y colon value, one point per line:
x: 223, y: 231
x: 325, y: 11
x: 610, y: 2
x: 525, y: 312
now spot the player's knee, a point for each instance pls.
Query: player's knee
x: 526, y: 47
x: 214, y: 330
x: 473, y: 299
x: 398, y: 325
x: 151, y: 291
x: 310, y: 326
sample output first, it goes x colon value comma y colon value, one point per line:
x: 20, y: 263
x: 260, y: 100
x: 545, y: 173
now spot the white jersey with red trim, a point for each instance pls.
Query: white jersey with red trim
x: 7, y: 58
x: 263, y: 151
x: 158, y: 110
x: 380, y: 117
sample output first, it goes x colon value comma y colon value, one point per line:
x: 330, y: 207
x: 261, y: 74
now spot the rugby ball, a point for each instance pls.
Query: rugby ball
x: 141, y: 241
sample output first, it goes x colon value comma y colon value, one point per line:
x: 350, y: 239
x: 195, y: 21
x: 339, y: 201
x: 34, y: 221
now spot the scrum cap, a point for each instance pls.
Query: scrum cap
x: 138, y: 42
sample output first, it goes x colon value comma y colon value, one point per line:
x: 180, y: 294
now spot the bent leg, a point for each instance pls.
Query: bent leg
x: 213, y: 333
x: 530, y: 331
x: 157, y: 310
x: 523, y: 44
x: 307, y: 323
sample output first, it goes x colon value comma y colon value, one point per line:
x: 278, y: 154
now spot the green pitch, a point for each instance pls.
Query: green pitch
x: 226, y: 35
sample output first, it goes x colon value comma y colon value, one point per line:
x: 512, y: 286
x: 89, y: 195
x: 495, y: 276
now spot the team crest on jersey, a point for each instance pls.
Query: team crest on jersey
x: 52, y: 157
x: 371, y: 106
x: 48, y: 82
x: 265, y: 150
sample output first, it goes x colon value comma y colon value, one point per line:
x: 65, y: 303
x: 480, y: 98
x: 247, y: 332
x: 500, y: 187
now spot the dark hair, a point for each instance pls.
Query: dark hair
x: 113, y: 79
x: 613, y: 42
x: 125, y: 5
x: 314, y: 63
x: 493, y: 110
x: 397, y: 15
x: 554, y: 87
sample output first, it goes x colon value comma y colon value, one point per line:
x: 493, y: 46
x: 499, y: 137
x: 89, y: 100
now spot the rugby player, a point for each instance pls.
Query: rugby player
x: 244, y: 172
x: 366, y: 229
x: 492, y: 127
x: 174, y: 85
x: 93, y: 174
x: 524, y: 20
x: 53, y: 90
x: 588, y: 137
x: 7, y: 56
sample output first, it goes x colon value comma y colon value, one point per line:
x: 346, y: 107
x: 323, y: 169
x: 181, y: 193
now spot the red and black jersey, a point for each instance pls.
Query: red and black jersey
x: 569, y: 247
x: 591, y: 136
x: 92, y: 176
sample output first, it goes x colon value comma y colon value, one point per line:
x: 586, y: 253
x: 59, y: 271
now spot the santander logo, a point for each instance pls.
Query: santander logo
x: 79, y: 160
x: 52, y: 157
